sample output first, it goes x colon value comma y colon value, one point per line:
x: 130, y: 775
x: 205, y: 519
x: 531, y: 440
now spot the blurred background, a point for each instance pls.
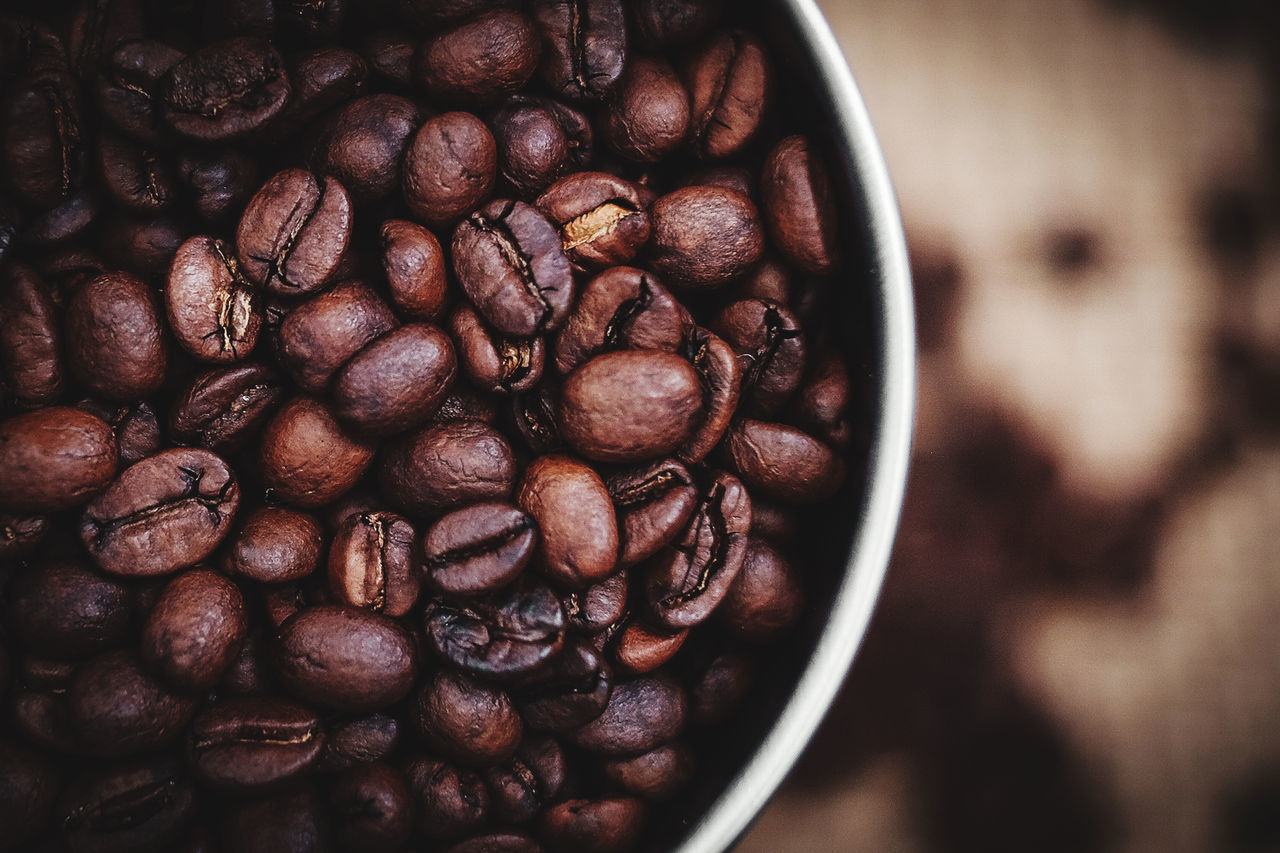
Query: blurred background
x: 1078, y: 647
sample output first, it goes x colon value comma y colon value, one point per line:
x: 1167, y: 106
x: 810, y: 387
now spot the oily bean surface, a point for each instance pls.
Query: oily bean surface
x: 54, y: 458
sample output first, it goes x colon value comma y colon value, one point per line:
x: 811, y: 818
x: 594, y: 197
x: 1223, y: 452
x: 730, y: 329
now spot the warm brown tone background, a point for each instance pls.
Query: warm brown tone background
x: 1079, y: 644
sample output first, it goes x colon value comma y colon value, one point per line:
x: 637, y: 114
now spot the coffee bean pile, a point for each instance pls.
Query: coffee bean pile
x: 406, y: 410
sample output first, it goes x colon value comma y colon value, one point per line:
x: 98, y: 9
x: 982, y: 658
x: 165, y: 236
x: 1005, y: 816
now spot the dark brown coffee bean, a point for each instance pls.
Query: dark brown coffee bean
x: 584, y: 46
x: 771, y: 280
x: 730, y: 86
x: 766, y: 599
x: 593, y: 826
x: 64, y: 609
x: 364, y: 144
x: 293, y: 822
x: 783, y: 462
x: 501, y: 841
x: 65, y: 270
x: 145, y: 247
x: 137, y: 429
x: 144, y: 804
x: 719, y: 688
x: 431, y: 13
x: 97, y: 27
x: 647, y: 116
x: 346, y: 658
x: 466, y: 720
x: 538, y: 141
x: 314, y: 21
x: 222, y: 409
x: 250, y: 673
x: 639, y: 648
x: 60, y: 225
x: 294, y: 232
x: 129, y: 90
x: 284, y: 601
x: 169, y: 511
x: 322, y: 79
x: 822, y: 403
x: 322, y: 334
x: 213, y: 310
x: 660, y: 24
x: 397, y: 381
x: 704, y: 237
x: 601, y: 218
x: 219, y: 182
x: 115, y: 337
x: 509, y: 260
x: 479, y: 60
x: 252, y: 743
x: 532, y: 781
x: 641, y: 715
x: 195, y: 630
x: 773, y: 522
x: 734, y: 178
x: 136, y: 178
x: 54, y: 458
x: 688, y: 580
x: 373, y: 807
x: 571, y: 691
x: 415, y: 268
x: 226, y: 90
x: 494, y: 363
x: 631, y: 405
x: 30, y: 337
x: 43, y: 139
x: 373, y: 563
x: 478, y: 549
x: 720, y: 371
x: 657, y: 775
x: 28, y: 787
x: 305, y: 457
x: 578, y: 532
x: 799, y: 206
x: 362, y: 740
x: 119, y: 710
x: 21, y: 535
x: 599, y: 606
x: 500, y: 637
x: 450, y: 168
x: 770, y: 344
x: 622, y: 308
x: 42, y: 716
x: 450, y: 801
x: 389, y: 56
x: 653, y: 504
x: 446, y: 466
x: 534, y: 417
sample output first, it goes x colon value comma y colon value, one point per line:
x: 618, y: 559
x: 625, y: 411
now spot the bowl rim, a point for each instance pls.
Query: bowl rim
x: 855, y: 597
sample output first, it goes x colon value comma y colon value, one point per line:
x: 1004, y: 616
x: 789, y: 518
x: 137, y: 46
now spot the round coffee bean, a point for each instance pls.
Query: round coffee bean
x: 641, y: 715
x: 478, y: 549
x: 657, y: 775
x: 322, y: 334
x: 704, y: 237
x: 222, y: 408
x: 226, y: 90
x: 415, y: 268
x: 578, y: 532
x: 119, y: 710
x: 783, y: 462
x: 446, y: 466
x: 30, y: 337
x: 593, y: 826
x: 584, y: 46
x: 600, y: 606
x: 364, y: 145
x: 373, y: 563
x: 647, y: 116
x: 373, y: 807
x: 219, y: 181
x: 467, y: 721
x: 537, y: 142
x: 169, y: 511
x: 195, y: 630
x: 362, y: 740
x: 768, y: 339
x: 252, y: 743
x: 653, y: 503
x: 54, y: 458
x: 397, y: 381
x: 450, y: 168
x: 65, y: 609
x: 719, y: 688
x: 766, y: 598
x: 213, y: 310
x: 799, y: 206
x: 480, y: 60
x: 346, y: 658
x: 143, y: 804
x: 730, y: 89
x: 115, y: 337
x: 450, y: 801
x: 305, y: 457
x: 389, y: 55
x: 622, y: 308
x: 601, y: 218
x: 660, y: 24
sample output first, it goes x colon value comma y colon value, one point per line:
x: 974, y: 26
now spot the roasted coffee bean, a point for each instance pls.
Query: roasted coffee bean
x: 64, y: 609
x: 660, y: 24
x: 774, y: 522
x: 144, y: 804
x: 221, y: 409
x: 30, y: 337
x: 822, y: 403
x: 501, y: 841
x: 43, y: 139
x: 653, y: 504
x: 284, y: 601
x: 729, y: 82
x: 115, y: 337
x: 346, y: 658
x: 446, y: 466
x: 657, y: 775
x: 293, y: 822
x: 622, y: 308
x: 593, y: 826
x: 28, y: 787
x: 226, y: 90
x: 250, y: 673
x: 467, y: 721
x: 97, y: 27
x: 533, y: 779
x: 538, y: 140
x: 771, y: 281
x: 647, y: 116
x: 119, y: 710
x: 450, y: 801
x: 396, y: 382
x: 130, y: 89
x: 639, y: 648
x: 252, y: 743
x: 213, y: 310
x: 305, y: 457
x: 601, y: 218
x: 720, y: 371
x: 136, y: 178
x: 783, y: 462
x: 450, y: 168
x: 479, y: 60
x: 322, y: 334
x: 431, y: 13
x: 599, y: 606
x: 60, y: 225
x: 137, y: 429
x: 169, y: 511
x: 362, y: 740
x: 578, y: 531
x: 54, y: 458
x: 799, y: 206
x: 195, y: 630
x: 364, y: 144
x: 492, y: 362
x: 571, y: 691
x: 501, y: 637
x: 641, y: 715
x: 534, y: 417
x: 770, y: 344
x: 313, y: 21
x: 584, y: 46
x: 478, y: 549
x: 294, y: 232
x: 142, y: 246
x: 631, y: 405
x: 219, y: 182
x: 322, y: 79
x: 689, y: 579
x: 21, y: 535
x: 704, y: 237
x: 373, y: 563
x: 415, y: 268
x: 389, y: 56
x: 510, y: 262
x: 766, y: 598
x: 373, y: 807
x: 719, y: 688
x: 42, y: 716
x: 64, y: 271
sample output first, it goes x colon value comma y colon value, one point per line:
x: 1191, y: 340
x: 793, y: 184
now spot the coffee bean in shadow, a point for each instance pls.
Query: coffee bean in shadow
x: 499, y: 637
x: 373, y: 563
x: 599, y: 607
x: 621, y: 308
x: 657, y: 775
x: 479, y: 60
x: 642, y: 714
x: 593, y: 826
x: 240, y: 745
x: 350, y: 743
x: 533, y: 779
x: 647, y: 116
x: 729, y: 78
x: 653, y: 503
x: 771, y: 346
x: 389, y: 56
x: 218, y: 182
x: 363, y: 145
x: 42, y: 139
x: 533, y: 416
x: 662, y: 24
x: 115, y: 337
x: 449, y: 168
x: 783, y: 462
x: 498, y: 841
x: 250, y: 673
x: 226, y: 90
x: 822, y: 404
x: 416, y: 269
x: 480, y: 548
x: 584, y: 46
x: 578, y: 531
x: 54, y: 458
x: 570, y: 691
x: 538, y: 141
x: 192, y: 635
x: 222, y: 409
x: 293, y: 821
x: 798, y: 201
x: 21, y: 535
x: 767, y: 597
x: 468, y: 721
x: 119, y: 710
x: 320, y: 335
x: 136, y: 178
x: 65, y: 609
x: 446, y: 466
x: 143, y: 246
x: 59, y: 226
x: 166, y: 512
x: 396, y: 382
x: 128, y: 90
x: 28, y: 787
x: 704, y: 237
x: 601, y: 217
x: 97, y: 27
x: 639, y: 648
x: 294, y: 232
x: 720, y: 373
x: 719, y: 687
x: 136, y: 426
x: 322, y: 79
x: 306, y: 459
x: 213, y: 310
x: 141, y: 804
x: 373, y: 808
x: 492, y: 362
x: 450, y: 801
x: 30, y: 337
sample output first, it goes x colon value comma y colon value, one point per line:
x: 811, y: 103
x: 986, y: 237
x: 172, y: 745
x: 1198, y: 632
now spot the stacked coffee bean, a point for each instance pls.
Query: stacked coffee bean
x: 406, y: 409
